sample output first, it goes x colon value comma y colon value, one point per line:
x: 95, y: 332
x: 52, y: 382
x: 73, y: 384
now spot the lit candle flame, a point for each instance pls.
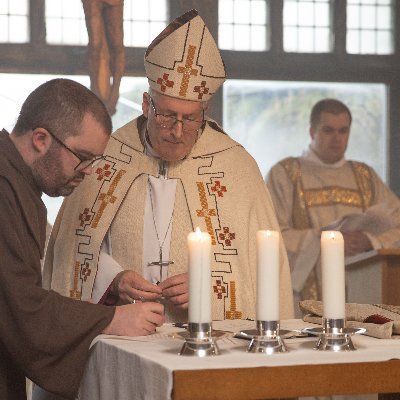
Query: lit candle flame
x: 332, y: 235
x: 198, y: 232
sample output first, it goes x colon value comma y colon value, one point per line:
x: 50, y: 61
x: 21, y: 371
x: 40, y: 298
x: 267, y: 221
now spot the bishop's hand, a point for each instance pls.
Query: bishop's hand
x: 176, y: 290
x: 129, y: 286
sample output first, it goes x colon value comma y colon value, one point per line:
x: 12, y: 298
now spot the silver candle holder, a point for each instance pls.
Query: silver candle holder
x: 267, y: 339
x: 334, y: 336
x: 199, y: 341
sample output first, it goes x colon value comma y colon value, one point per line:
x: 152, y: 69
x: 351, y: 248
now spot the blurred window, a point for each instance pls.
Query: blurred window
x: 14, y: 25
x: 143, y: 21
x: 243, y: 25
x: 307, y: 26
x: 65, y: 22
x: 370, y: 27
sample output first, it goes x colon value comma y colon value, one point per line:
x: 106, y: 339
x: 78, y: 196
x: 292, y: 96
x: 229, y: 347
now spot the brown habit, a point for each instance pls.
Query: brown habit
x: 43, y: 335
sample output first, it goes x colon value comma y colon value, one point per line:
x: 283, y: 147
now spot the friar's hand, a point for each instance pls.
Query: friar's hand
x: 176, y: 290
x: 355, y: 242
x: 137, y: 319
x: 129, y: 286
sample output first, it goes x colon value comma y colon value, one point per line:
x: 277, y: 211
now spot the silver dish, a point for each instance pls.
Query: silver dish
x: 346, y: 331
x: 215, y: 335
x: 283, y: 333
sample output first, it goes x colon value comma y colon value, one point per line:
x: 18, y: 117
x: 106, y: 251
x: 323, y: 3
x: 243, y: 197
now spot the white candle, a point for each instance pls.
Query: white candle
x: 333, y: 277
x: 199, y: 244
x: 267, y: 276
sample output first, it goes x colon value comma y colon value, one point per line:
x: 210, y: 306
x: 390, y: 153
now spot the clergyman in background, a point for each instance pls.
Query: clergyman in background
x: 321, y: 190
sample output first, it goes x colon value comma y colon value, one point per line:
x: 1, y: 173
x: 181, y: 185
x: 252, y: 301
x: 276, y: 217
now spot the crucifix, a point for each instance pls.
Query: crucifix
x: 161, y: 264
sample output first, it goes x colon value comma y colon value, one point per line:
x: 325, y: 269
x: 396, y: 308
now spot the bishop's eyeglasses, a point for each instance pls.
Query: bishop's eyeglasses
x: 83, y: 162
x: 169, y: 121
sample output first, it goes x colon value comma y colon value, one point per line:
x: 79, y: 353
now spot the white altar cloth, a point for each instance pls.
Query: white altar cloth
x: 133, y: 368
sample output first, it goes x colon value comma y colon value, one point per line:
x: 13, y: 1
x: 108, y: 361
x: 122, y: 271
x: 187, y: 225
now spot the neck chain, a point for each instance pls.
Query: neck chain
x: 160, y: 263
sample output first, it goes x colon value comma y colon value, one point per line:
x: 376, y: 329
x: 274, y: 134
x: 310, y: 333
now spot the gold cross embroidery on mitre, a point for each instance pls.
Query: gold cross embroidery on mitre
x: 187, y: 71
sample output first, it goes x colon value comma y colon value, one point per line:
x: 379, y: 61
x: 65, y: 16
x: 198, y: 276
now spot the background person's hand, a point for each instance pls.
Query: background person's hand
x: 355, y: 242
x: 129, y: 285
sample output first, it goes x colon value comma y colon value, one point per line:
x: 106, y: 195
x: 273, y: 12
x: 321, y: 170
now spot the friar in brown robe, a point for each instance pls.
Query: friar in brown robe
x: 42, y: 335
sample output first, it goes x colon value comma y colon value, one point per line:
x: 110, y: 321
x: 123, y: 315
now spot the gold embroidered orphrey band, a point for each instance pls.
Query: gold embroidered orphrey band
x: 306, y: 198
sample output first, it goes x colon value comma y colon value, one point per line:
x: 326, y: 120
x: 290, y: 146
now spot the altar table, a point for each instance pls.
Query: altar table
x: 122, y: 368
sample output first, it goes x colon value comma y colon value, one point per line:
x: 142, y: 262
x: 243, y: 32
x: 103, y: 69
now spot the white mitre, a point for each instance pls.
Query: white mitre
x: 183, y: 61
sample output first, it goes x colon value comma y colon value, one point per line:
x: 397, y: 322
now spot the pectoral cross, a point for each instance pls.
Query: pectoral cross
x: 161, y: 263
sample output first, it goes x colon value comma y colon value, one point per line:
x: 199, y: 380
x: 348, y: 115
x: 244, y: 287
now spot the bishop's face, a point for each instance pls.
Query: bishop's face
x: 330, y: 136
x: 174, y: 139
